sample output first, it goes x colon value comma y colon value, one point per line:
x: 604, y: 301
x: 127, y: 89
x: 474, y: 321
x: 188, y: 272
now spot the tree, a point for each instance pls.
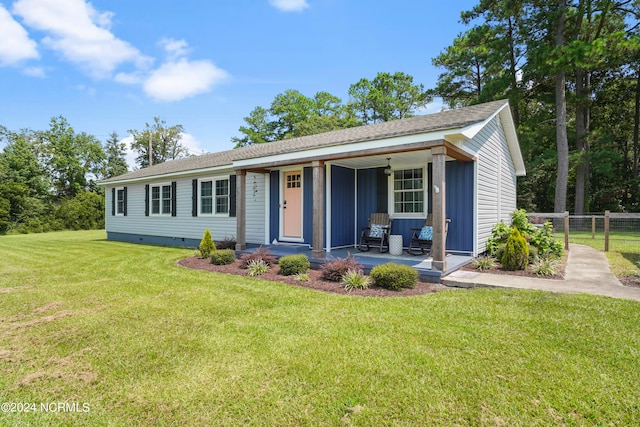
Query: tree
x: 293, y: 115
x: 73, y: 160
x: 115, y: 162
x: 258, y: 129
x: 474, y: 71
x: 387, y: 97
x: 164, y: 140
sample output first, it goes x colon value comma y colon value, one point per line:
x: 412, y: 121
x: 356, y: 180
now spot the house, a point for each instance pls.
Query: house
x: 319, y: 190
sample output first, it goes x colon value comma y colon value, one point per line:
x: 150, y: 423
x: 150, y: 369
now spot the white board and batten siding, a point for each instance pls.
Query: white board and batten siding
x: 495, y: 181
x: 184, y: 225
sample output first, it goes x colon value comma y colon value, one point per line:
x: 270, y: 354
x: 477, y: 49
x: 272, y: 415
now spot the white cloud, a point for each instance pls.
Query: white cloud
x: 180, y: 79
x: 16, y: 45
x: 289, y: 5
x: 80, y: 33
x: 175, y: 48
x: 34, y: 71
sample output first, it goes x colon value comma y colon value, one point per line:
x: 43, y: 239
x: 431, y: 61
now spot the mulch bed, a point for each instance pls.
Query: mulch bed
x: 522, y: 273
x: 314, y: 282
x: 631, y: 281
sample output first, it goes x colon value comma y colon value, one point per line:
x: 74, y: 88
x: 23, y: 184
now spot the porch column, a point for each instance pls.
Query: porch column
x: 439, y: 208
x: 317, y: 250
x: 241, y: 210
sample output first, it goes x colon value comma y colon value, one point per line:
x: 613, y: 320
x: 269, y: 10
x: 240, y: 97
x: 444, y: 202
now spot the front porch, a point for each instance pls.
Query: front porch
x: 422, y: 263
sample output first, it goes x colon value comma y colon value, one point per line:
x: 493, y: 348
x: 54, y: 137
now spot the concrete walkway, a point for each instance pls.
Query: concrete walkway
x: 587, y: 271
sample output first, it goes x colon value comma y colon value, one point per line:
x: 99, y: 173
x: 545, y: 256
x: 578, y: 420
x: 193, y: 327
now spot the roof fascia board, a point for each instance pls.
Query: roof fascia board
x: 181, y: 174
x: 343, y: 150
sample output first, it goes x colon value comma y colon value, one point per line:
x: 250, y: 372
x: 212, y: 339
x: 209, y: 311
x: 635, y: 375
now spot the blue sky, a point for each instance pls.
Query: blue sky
x: 114, y: 65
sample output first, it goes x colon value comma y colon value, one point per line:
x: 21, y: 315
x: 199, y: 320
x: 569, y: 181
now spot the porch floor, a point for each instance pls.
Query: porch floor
x: 421, y: 263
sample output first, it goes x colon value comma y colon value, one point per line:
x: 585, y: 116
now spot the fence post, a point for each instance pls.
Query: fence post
x: 593, y: 226
x: 606, y: 231
x: 566, y: 230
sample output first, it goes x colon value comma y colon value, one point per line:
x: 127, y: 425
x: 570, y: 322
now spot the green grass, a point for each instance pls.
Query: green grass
x: 145, y: 342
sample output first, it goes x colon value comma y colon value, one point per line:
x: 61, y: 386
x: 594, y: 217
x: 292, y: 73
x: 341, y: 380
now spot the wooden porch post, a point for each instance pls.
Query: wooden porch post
x: 241, y: 210
x: 439, y: 207
x: 317, y: 250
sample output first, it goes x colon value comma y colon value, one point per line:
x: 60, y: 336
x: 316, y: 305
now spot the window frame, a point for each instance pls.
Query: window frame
x: 161, y: 199
x: 392, y: 192
x: 214, y: 206
x: 120, y: 203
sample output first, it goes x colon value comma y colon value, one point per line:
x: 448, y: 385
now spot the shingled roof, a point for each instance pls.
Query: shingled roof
x: 450, y: 119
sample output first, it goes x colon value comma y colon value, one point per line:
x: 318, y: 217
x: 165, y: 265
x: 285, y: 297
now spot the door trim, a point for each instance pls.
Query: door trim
x: 281, y: 236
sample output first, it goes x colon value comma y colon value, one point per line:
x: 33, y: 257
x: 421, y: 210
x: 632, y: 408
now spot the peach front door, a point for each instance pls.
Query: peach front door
x: 292, y: 205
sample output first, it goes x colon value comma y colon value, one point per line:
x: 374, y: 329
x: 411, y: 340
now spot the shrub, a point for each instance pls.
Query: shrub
x: 333, y: 269
x: 257, y: 267
x: 262, y: 253
x: 516, y: 252
x: 206, y: 244
x: 394, y: 276
x: 545, y: 266
x: 227, y: 243
x: 484, y: 263
x: 293, y: 264
x: 533, y: 254
x: 223, y: 257
x: 302, y: 277
x: 542, y: 238
x: 499, y: 235
x: 520, y: 221
x: 355, y: 279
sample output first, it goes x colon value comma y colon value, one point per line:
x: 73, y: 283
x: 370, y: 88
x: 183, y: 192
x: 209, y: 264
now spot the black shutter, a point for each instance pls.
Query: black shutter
x: 382, y: 191
x: 124, y: 202
x: 232, y: 196
x: 113, y: 201
x: 146, y: 200
x: 194, y: 197
x: 174, y: 204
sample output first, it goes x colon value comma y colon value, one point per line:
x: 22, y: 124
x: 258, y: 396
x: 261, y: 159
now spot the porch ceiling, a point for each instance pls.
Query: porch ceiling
x: 397, y: 159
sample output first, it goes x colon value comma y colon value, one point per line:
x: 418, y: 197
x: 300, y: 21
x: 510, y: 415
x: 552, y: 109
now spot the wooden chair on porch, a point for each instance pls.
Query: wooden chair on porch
x: 422, y: 238
x: 376, y: 233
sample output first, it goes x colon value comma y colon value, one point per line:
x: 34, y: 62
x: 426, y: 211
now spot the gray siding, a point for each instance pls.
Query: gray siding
x: 184, y: 225
x: 496, y: 180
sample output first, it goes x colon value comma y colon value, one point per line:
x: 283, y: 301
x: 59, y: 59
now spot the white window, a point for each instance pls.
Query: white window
x: 161, y: 199
x: 214, y: 196
x: 120, y: 201
x: 408, y: 191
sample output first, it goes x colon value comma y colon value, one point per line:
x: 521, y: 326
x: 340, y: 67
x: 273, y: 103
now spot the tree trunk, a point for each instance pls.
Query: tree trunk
x: 513, y: 71
x: 560, y: 202
x: 582, y: 143
x: 636, y: 128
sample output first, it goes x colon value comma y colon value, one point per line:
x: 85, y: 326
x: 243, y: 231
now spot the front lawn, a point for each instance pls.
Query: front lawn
x: 119, y: 327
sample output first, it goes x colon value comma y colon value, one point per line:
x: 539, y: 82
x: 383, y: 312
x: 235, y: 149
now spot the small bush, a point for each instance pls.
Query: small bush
x: 545, y: 266
x: 334, y: 269
x: 516, y: 252
x: 542, y: 238
x: 223, y: 257
x: 257, y: 267
x: 355, y: 279
x: 302, y: 277
x: 394, y: 276
x: 206, y: 244
x: 293, y: 264
x: 227, y: 243
x: 261, y: 253
x: 484, y: 263
x: 533, y: 254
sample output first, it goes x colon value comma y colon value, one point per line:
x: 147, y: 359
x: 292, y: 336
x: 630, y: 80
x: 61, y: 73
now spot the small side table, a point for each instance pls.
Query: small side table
x: 395, y: 244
